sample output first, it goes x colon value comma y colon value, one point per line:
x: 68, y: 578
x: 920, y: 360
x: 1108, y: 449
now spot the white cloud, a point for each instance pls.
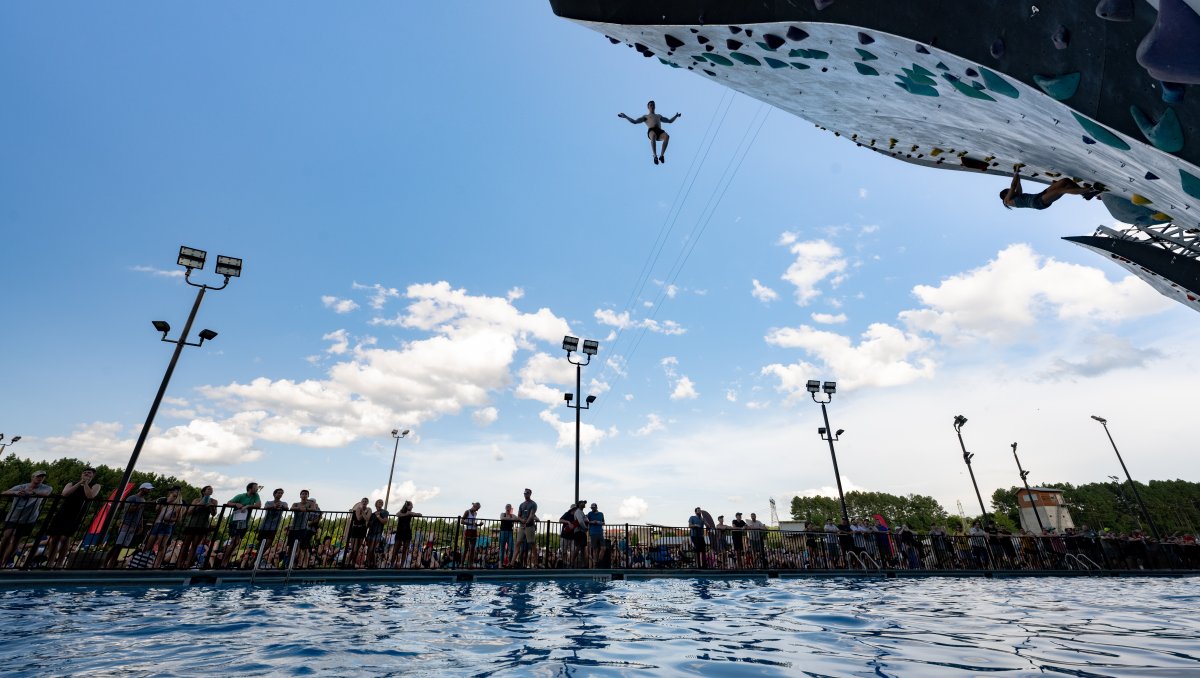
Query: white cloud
x: 684, y: 390
x: 379, y: 294
x: 829, y: 318
x: 623, y: 321
x: 862, y: 193
x: 1106, y: 353
x: 514, y: 294
x: 632, y: 509
x: 762, y: 292
x: 158, y: 272
x: 339, y: 305
x: 654, y: 423
x: 816, y: 261
x: 341, y: 342
x: 731, y: 395
x: 1001, y: 300
x: 485, y: 416
x: 402, y: 492
x: 885, y: 356
x: 589, y: 435
x: 497, y: 453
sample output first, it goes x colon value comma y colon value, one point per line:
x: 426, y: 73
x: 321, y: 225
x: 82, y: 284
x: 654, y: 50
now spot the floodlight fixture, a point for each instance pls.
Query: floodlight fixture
x: 206, y: 335
x: 230, y: 267
x: 190, y: 258
x: 568, y: 397
x: 959, y: 421
x: 813, y: 386
x: 161, y: 326
x: 591, y: 347
x: 395, y: 432
x: 591, y: 399
x: 830, y: 387
x: 1102, y: 420
x: 821, y: 430
x: 839, y: 432
x: 404, y: 433
x: 570, y: 344
x: 16, y: 438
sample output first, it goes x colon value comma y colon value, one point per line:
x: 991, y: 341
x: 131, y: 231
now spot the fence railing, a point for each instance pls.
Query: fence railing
x: 52, y: 534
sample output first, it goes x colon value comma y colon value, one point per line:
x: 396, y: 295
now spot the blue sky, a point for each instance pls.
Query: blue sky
x: 427, y: 199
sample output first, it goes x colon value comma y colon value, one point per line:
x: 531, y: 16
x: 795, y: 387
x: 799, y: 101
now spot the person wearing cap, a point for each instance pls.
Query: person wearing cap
x: 239, y: 520
x: 595, y: 525
x: 131, y: 523
x: 68, y: 516
x: 23, y: 513
x: 527, y: 530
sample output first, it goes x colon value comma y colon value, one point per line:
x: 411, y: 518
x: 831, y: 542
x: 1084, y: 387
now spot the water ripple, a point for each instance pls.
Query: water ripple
x: 934, y: 627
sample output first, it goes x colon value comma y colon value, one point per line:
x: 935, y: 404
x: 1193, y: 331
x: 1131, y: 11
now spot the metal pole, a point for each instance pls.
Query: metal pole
x: 579, y: 395
x: 967, y: 458
x: 1028, y: 492
x: 388, y: 495
x: 1136, y: 494
x: 836, y: 473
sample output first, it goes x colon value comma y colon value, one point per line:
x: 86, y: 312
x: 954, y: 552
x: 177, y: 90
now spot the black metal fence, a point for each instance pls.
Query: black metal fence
x: 41, y: 534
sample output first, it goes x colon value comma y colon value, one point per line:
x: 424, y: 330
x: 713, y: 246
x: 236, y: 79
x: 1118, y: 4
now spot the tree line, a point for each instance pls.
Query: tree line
x: 15, y: 471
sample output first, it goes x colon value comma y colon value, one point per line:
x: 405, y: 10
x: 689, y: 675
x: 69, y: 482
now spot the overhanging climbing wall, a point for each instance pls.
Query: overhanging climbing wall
x: 975, y: 86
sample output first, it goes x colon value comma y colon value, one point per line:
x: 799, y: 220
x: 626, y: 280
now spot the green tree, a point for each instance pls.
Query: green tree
x: 15, y: 470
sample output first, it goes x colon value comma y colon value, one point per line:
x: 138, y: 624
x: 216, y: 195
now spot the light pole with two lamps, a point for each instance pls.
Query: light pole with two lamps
x: 397, y: 434
x: 1028, y: 492
x: 14, y: 441
x: 590, y: 348
x: 829, y: 388
x: 959, y: 422
x: 1137, y: 495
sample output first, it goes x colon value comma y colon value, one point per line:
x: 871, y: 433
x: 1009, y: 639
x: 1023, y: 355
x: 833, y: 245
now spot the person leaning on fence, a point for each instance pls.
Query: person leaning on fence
x: 595, y: 520
x: 131, y: 523
x: 507, y: 520
x: 404, y: 535
x: 527, y: 530
x: 306, y: 516
x: 360, y: 513
x: 756, y: 532
x: 164, y: 524
x: 196, y: 529
x: 272, y: 517
x: 239, y: 520
x: 696, y: 527
x: 470, y: 522
x: 375, y: 526
x: 23, y: 513
x: 68, y: 516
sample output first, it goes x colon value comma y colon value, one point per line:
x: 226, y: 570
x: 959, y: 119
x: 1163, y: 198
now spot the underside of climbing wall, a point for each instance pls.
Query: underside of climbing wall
x: 1103, y: 93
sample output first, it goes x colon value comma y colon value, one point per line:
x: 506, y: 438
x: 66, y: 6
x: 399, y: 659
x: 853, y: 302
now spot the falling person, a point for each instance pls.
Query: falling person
x: 654, y: 131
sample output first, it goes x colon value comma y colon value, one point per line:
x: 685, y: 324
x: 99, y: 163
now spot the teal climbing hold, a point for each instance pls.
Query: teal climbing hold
x: 998, y: 84
x: 746, y: 59
x: 1191, y: 183
x: 905, y: 83
x: 865, y: 69
x: 942, y: 66
x: 800, y: 66
x: 919, y: 78
x: 918, y: 68
x: 1100, y: 133
x: 1128, y: 212
x: 775, y: 63
x: 1166, y: 134
x: 1060, y: 87
x: 718, y: 59
x: 699, y: 58
x: 966, y: 89
x: 802, y: 53
x: 817, y: 54
x: 866, y: 56
x: 668, y: 63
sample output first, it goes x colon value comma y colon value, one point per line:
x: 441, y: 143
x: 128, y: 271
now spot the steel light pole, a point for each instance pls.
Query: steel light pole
x: 397, y: 434
x: 191, y: 259
x: 827, y: 434
x: 590, y: 348
x: 13, y: 441
x: 1124, y: 503
x: 959, y: 422
x: 1137, y: 495
x: 1028, y: 492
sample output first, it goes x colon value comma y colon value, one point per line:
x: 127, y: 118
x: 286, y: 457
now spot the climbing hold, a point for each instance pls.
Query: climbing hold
x: 942, y: 66
x: 972, y: 73
x: 977, y: 85
x: 774, y: 42
x: 799, y: 65
x: 1139, y: 199
x: 1115, y: 10
x: 1161, y: 216
x: 972, y: 163
x: 708, y: 48
x: 735, y: 29
x: 919, y: 77
x: 822, y: 4
x: 918, y: 68
x: 1099, y: 133
x: 710, y: 73
x: 733, y: 45
x: 749, y: 33
x: 965, y: 88
x: 1088, y: 140
x: 702, y: 39
x: 697, y: 57
x: 775, y: 63
x: 668, y: 63
x: 864, y: 39
x: 673, y: 42
x: 911, y: 87
x: 922, y: 50
x: 1170, y: 51
x: 746, y: 59
x: 998, y: 84
x: 936, y: 152
x: 1061, y: 38
x: 1166, y: 134
x: 865, y: 69
x: 1062, y: 87
x: 613, y: 40
x: 1172, y: 92
x: 866, y: 56
x: 796, y: 34
x: 718, y: 59
x: 1128, y: 212
x: 1151, y: 176
x: 997, y: 48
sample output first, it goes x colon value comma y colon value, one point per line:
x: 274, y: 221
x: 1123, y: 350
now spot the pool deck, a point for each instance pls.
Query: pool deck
x: 114, y: 578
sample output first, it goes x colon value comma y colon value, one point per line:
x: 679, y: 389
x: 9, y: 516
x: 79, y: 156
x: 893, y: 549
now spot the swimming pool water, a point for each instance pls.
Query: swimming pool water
x: 925, y: 627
